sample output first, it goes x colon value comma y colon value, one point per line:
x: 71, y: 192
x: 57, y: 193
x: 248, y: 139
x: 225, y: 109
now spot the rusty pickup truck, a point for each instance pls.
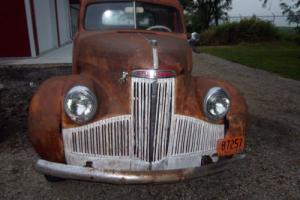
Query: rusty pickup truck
x: 131, y: 112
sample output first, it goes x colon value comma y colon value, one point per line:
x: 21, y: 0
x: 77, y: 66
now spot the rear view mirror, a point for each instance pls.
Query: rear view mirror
x: 131, y: 10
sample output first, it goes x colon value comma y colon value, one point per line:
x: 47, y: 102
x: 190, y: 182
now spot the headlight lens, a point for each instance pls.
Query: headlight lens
x: 216, y: 103
x: 80, y: 104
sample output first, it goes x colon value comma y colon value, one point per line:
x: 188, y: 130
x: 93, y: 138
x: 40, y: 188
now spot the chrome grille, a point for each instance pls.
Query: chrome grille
x: 109, y: 137
x: 151, y: 137
x: 191, y: 135
x: 152, y: 110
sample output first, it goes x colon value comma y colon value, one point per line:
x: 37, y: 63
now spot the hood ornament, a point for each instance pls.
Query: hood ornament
x: 123, y: 78
x: 153, y: 44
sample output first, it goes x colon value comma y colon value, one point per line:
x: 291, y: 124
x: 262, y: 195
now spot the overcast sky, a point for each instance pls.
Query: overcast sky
x: 251, y: 7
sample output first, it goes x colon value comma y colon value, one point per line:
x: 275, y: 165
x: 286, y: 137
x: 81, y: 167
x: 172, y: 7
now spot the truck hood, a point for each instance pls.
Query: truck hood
x: 126, y: 50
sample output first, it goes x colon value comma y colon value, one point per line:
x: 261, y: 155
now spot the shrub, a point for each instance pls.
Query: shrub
x: 289, y: 34
x: 247, y: 30
x: 208, y: 36
x: 298, y: 40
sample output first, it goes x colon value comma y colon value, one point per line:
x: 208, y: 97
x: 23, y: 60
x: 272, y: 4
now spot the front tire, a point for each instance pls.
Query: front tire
x: 53, y: 179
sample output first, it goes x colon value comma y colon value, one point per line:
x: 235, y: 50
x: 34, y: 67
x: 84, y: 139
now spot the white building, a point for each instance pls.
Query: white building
x: 30, y: 28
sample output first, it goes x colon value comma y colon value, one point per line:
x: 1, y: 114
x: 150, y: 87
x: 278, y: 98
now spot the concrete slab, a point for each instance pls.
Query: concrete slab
x: 59, y: 56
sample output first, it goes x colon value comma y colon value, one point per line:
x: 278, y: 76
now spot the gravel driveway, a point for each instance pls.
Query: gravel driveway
x: 270, y: 171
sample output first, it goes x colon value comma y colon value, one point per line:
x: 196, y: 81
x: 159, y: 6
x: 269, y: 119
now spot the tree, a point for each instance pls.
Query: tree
x: 219, y: 10
x: 184, y: 3
x: 202, y: 13
x: 292, y: 12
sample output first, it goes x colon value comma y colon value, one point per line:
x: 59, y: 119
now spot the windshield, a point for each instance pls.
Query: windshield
x: 130, y: 15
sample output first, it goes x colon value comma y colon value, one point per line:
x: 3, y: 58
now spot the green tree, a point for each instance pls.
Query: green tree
x: 292, y: 12
x: 291, y: 9
x: 219, y: 10
x: 202, y: 13
x: 184, y: 3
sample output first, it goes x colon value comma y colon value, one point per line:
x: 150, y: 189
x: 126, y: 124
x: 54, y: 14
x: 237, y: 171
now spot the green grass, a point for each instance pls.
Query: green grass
x: 280, y: 58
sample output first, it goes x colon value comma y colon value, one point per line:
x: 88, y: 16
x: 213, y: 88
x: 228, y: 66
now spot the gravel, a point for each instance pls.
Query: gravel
x: 270, y: 171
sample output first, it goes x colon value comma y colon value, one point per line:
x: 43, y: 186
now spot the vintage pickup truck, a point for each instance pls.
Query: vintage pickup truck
x: 131, y: 112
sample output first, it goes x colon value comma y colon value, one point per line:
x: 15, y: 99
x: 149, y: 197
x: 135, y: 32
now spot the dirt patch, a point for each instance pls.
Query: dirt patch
x: 19, y: 85
x: 270, y: 171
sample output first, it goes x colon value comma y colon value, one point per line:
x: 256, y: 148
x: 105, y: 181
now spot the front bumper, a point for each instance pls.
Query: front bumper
x: 132, y: 177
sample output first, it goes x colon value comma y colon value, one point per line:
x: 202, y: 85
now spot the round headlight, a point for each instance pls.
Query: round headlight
x: 80, y: 104
x: 216, y: 103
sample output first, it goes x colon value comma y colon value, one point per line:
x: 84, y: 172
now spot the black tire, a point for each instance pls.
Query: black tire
x: 196, y: 50
x: 53, y: 179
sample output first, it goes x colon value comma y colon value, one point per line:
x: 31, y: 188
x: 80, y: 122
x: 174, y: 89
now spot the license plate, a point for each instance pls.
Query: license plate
x: 230, y: 146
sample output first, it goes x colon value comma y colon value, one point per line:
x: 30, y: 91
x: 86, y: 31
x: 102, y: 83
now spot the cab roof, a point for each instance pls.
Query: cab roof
x: 174, y: 3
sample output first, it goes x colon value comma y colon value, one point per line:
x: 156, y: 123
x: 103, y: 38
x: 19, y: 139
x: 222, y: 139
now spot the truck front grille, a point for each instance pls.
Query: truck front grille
x: 152, y: 110
x: 109, y: 137
x: 191, y: 135
x: 150, y: 134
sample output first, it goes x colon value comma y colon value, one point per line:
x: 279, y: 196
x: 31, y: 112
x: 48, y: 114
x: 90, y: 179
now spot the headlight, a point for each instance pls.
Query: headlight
x: 216, y: 103
x: 80, y: 104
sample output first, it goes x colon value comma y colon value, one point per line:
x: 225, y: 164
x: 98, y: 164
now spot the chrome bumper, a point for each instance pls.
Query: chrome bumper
x: 131, y: 177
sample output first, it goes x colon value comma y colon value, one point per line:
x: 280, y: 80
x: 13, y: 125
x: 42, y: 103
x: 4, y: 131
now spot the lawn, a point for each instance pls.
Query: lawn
x: 280, y: 58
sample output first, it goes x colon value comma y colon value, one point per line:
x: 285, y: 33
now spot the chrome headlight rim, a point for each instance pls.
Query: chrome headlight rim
x: 83, y: 90
x: 213, y: 92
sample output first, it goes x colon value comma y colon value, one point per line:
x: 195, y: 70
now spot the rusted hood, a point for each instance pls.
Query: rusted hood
x: 127, y: 50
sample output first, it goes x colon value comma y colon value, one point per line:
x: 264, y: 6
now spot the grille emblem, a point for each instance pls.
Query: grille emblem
x: 153, y: 74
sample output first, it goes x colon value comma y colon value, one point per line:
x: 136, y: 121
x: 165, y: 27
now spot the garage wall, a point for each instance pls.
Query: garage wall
x: 14, y: 37
x: 74, y: 10
x: 64, y: 21
x: 46, y: 24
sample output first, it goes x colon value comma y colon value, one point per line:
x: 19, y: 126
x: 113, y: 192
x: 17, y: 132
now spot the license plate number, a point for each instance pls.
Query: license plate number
x: 230, y: 146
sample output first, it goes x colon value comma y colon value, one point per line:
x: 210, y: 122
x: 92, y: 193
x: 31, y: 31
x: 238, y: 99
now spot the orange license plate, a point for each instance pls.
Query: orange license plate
x: 230, y: 146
